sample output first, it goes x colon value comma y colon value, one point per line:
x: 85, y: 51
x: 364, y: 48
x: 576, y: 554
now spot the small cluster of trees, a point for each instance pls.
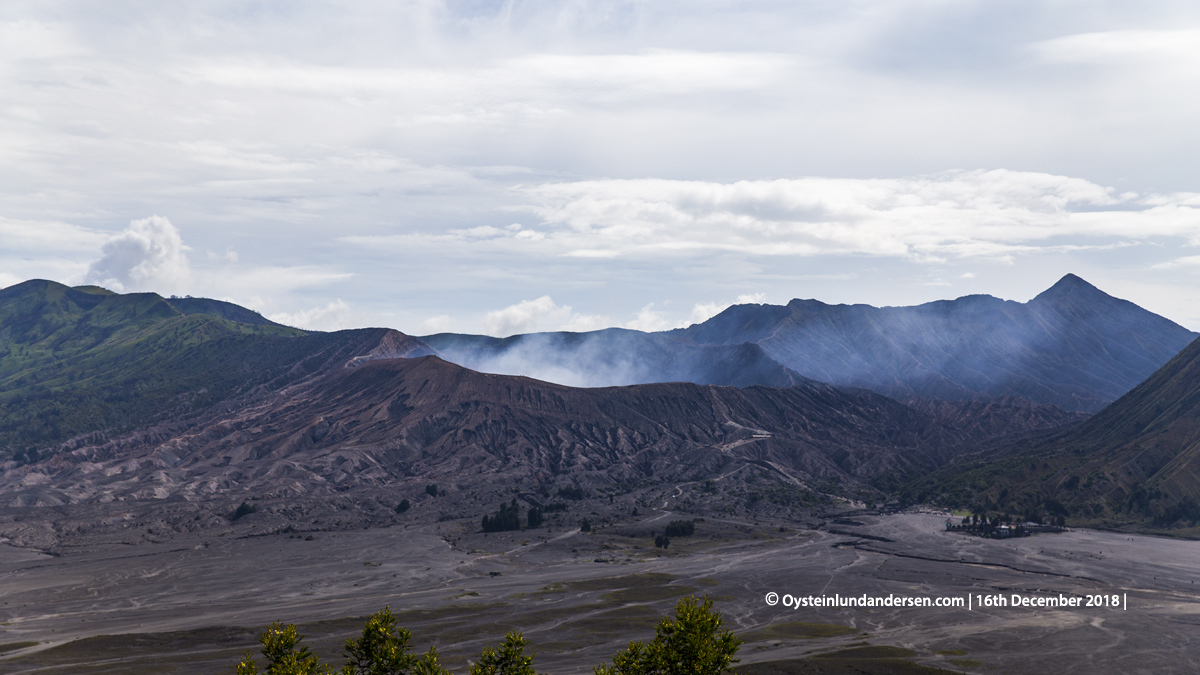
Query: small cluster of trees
x: 988, y: 526
x: 507, y: 517
x: 574, y: 493
x: 691, y: 643
x: 676, y: 528
x: 681, y: 528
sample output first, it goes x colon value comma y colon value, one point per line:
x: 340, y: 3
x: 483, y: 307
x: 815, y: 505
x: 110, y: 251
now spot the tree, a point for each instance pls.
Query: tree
x: 535, y: 517
x: 585, y: 525
x: 283, y: 657
x: 429, y: 665
x: 431, y: 489
x: 382, y: 649
x: 680, y: 528
x: 402, y: 506
x: 507, y: 517
x: 510, y: 659
x: 690, y: 644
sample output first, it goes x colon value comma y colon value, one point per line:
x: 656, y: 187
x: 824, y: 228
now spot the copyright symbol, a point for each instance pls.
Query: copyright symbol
x: 772, y: 598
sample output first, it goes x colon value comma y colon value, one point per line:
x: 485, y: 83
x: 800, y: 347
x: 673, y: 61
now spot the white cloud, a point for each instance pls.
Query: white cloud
x: 582, y: 323
x: 1186, y: 261
x: 7, y: 279
x: 149, y: 255
x: 967, y: 275
x: 524, y: 317
x: 1180, y: 47
x: 534, y: 85
x: 441, y: 323
x: 991, y: 214
x: 401, y: 141
x: 26, y: 39
x: 649, y: 320
x: 333, y: 316
x: 703, y: 311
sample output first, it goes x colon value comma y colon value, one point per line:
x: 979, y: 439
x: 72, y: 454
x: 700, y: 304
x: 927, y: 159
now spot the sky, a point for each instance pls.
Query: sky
x: 506, y: 167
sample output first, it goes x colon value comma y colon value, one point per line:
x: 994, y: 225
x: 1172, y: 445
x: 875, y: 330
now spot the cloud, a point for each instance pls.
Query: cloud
x: 333, y: 316
x: 703, y: 311
x: 149, y: 255
x: 649, y: 320
x: 530, y: 86
x: 402, y: 141
x: 964, y: 214
x: 47, y: 238
x: 441, y: 323
x: 524, y: 317
x: 1120, y: 47
x: 582, y: 323
x: 1186, y: 261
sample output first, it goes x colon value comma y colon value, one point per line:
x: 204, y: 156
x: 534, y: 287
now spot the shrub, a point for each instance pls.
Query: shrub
x: 402, y: 506
x: 244, y: 510
x: 429, y: 665
x: 509, y: 659
x: 662, y: 541
x: 554, y: 507
x: 681, y: 528
x: 431, y: 490
x: 691, y: 644
x: 283, y: 657
x: 382, y: 649
x: 585, y: 525
x: 573, y: 493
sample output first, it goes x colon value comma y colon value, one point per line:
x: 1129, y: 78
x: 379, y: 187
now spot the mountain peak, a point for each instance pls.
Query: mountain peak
x: 1070, y: 286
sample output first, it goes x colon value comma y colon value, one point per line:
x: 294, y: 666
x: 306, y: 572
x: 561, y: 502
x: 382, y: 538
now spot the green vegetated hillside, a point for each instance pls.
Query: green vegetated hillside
x: 1135, y: 463
x: 80, y: 360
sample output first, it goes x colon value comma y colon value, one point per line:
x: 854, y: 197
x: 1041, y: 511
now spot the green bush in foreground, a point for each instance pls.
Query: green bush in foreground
x: 690, y: 644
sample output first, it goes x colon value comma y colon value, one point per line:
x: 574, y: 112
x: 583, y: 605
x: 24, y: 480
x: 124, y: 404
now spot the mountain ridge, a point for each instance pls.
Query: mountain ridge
x: 1136, y: 462
x: 1072, y: 345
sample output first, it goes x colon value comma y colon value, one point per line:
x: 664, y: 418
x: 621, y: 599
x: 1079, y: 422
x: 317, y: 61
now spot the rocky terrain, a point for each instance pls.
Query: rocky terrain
x: 351, y: 443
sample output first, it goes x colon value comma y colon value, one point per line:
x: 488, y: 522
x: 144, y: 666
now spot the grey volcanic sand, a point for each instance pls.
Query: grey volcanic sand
x: 462, y: 591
